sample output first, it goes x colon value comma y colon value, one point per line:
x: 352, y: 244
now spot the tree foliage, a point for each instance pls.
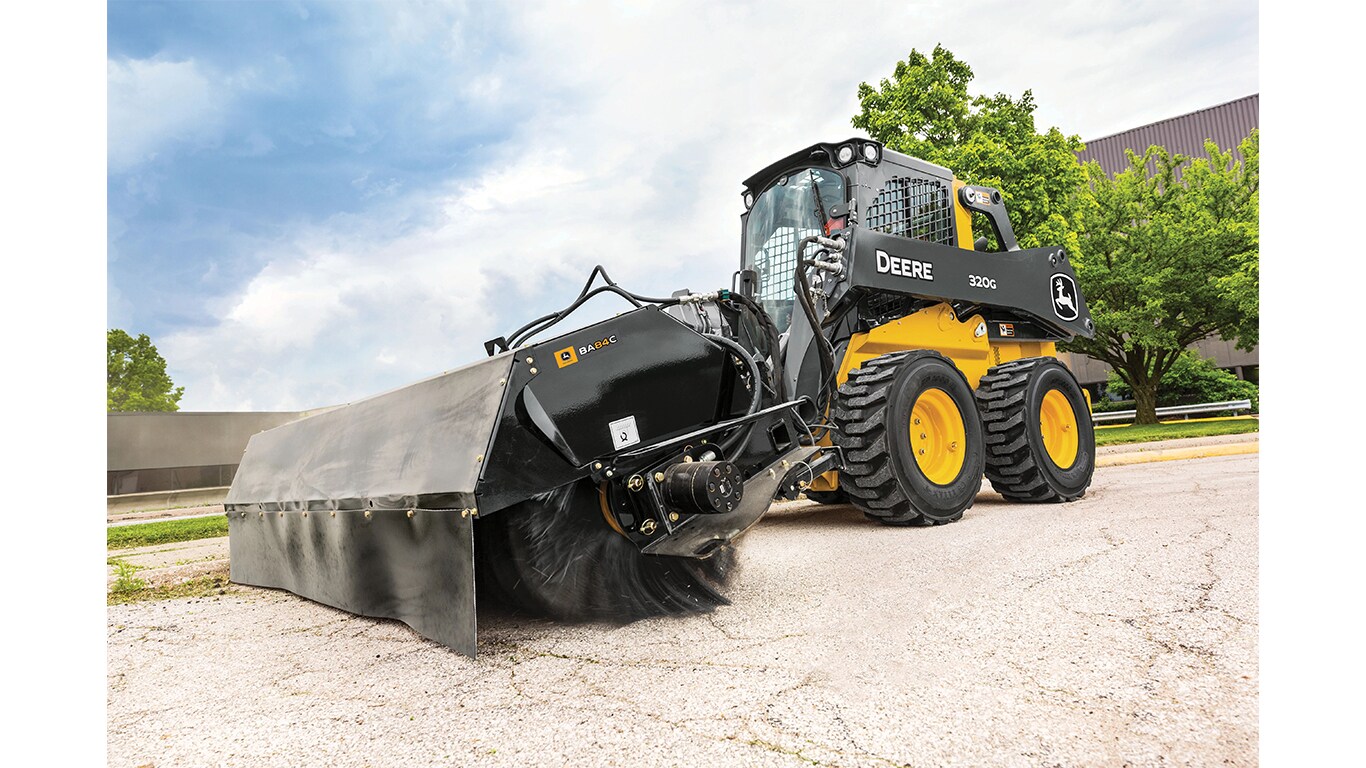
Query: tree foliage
x: 1168, y: 256
x: 137, y: 376
x: 1192, y: 379
x: 926, y: 111
x: 1165, y: 252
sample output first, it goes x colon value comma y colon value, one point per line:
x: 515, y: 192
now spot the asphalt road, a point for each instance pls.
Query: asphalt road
x: 1121, y: 629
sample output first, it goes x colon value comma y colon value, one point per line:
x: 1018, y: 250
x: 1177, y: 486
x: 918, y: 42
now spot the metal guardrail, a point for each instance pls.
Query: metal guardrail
x: 1177, y: 410
x: 188, y: 497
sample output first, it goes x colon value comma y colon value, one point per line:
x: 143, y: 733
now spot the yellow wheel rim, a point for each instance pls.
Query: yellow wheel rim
x: 1058, y: 425
x: 938, y: 436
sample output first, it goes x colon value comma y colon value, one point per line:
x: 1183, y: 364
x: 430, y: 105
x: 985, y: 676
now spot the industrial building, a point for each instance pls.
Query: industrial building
x: 1226, y: 124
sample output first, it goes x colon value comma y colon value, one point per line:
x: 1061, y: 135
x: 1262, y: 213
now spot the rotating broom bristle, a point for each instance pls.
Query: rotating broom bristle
x: 554, y: 555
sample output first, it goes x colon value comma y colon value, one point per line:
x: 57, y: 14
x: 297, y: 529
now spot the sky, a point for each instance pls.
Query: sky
x: 309, y: 203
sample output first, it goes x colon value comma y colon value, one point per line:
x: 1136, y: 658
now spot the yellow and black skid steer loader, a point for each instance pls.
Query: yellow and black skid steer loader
x: 868, y: 351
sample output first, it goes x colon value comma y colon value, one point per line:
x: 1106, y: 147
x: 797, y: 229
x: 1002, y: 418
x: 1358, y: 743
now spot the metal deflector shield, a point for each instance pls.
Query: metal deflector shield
x: 369, y: 507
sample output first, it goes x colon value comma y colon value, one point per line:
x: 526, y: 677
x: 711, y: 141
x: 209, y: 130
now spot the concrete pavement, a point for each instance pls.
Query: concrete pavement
x: 1118, y: 629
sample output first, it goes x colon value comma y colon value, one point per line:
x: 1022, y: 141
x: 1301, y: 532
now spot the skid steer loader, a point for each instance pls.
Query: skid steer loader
x: 868, y: 351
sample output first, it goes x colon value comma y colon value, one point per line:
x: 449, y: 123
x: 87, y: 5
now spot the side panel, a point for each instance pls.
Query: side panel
x: 933, y: 328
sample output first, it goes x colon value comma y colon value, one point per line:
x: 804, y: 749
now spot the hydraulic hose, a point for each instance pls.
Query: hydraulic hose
x: 742, y: 434
x: 754, y: 373
x: 771, y: 331
x: 546, y: 321
x: 824, y: 351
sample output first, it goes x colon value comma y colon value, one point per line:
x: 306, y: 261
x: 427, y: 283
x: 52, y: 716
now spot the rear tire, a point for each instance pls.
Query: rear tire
x: 1041, y: 445
x: 912, y: 439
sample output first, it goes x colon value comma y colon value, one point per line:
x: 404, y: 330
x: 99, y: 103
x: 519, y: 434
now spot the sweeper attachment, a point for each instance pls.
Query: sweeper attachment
x: 868, y: 351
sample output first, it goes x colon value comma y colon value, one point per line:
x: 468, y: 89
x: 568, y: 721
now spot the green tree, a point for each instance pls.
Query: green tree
x: 137, y: 376
x: 1168, y: 256
x: 925, y: 110
x: 1192, y: 379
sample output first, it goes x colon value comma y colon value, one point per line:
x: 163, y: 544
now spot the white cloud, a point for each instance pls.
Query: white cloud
x: 155, y: 103
x: 648, y: 122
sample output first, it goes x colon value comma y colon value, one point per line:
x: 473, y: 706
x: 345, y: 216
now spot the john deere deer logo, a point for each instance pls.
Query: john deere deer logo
x: 1064, y: 297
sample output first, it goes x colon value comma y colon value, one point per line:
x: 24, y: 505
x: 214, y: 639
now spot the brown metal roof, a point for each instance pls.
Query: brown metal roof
x: 1227, y: 124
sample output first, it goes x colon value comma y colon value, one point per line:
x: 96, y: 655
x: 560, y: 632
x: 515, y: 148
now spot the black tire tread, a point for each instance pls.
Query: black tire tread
x: 1012, y: 469
x: 858, y: 413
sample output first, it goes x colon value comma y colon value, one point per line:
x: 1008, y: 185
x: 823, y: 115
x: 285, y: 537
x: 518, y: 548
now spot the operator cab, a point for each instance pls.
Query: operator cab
x: 824, y: 190
x: 795, y: 206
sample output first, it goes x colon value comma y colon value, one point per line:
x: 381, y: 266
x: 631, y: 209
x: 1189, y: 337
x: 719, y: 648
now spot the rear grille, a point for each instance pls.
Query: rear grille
x: 915, y: 208
x: 882, y: 307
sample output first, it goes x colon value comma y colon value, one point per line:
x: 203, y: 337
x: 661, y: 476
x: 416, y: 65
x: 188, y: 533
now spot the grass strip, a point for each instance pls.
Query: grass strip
x: 167, y: 531
x: 1146, y: 433
x: 200, y: 586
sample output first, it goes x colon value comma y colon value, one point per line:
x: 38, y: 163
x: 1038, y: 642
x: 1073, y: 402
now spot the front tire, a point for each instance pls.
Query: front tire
x: 1041, y: 444
x: 912, y: 439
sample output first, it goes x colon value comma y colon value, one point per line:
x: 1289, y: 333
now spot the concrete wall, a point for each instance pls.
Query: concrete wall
x: 1091, y: 371
x: 174, y: 451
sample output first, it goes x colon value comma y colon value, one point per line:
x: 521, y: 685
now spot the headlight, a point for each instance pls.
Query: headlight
x: 845, y: 155
x: 870, y: 153
x: 749, y: 200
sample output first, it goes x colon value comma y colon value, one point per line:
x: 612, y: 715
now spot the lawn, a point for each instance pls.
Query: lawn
x: 1177, y: 429
x: 167, y: 531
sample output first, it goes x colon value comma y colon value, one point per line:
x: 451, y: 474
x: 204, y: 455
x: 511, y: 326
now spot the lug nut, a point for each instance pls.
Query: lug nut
x: 922, y: 451
x: 533, y: 371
